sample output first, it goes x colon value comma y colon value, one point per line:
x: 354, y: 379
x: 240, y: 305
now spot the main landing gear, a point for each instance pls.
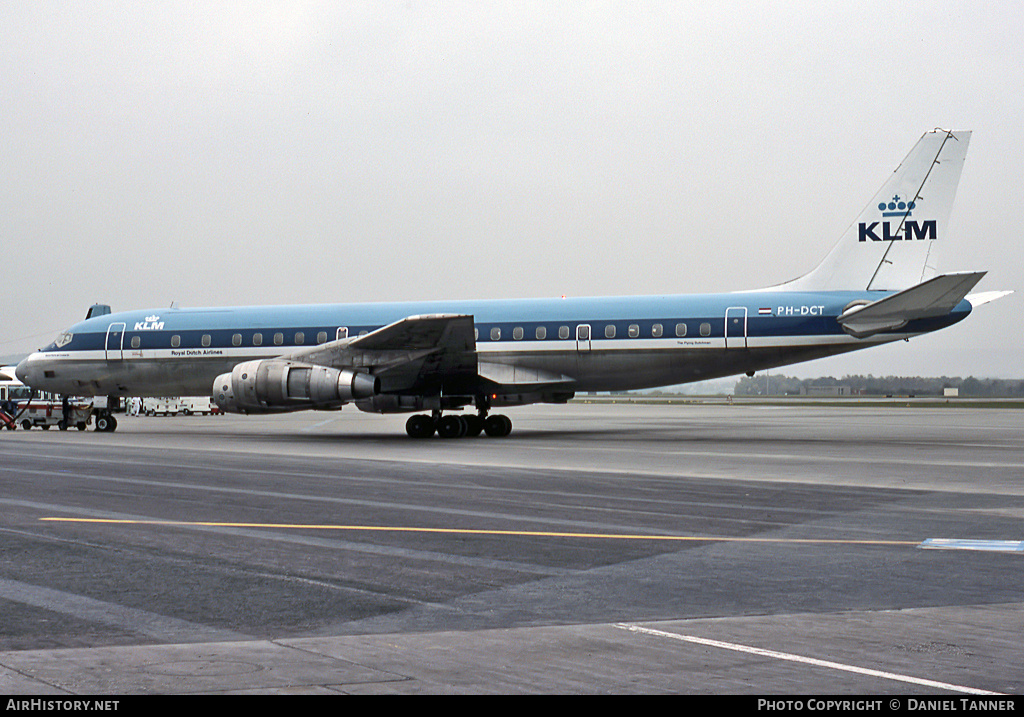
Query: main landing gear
x: 458, y: 425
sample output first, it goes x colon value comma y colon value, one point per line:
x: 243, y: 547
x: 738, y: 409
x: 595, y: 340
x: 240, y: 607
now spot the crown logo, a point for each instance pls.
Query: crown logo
x: 152, y: 318
x: 896, y: 208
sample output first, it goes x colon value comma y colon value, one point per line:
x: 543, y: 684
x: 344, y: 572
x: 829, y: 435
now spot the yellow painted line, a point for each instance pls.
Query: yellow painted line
x: 469, y: 531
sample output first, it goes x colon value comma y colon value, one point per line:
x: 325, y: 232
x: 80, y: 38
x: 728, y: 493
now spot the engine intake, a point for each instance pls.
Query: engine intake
x: 276, y: 386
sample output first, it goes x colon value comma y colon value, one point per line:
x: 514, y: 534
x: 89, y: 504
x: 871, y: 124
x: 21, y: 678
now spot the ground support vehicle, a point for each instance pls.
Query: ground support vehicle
x: 161, y: 406
x: 51, y: 413
x: 194, y: 405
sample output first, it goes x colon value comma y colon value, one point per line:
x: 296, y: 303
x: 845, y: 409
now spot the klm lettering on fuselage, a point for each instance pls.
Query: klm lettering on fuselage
x: 912, y: 230
x: 152, y: 323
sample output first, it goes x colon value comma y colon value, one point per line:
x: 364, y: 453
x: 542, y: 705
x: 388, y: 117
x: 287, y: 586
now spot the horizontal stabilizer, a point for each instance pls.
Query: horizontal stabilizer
x: 986, y: 297
x: 935, y: 297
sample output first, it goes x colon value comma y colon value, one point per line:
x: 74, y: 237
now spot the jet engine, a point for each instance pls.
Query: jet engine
x: 277, y: 386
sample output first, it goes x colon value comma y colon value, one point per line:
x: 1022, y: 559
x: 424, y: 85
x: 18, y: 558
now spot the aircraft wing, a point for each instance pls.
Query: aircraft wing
x: 408, y: 354
x: 935, y: 297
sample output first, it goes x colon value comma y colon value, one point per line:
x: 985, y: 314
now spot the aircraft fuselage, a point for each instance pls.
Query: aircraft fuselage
x: 593, y: 344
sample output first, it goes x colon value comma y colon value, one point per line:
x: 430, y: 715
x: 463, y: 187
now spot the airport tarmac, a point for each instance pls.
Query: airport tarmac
x: 703, y: 548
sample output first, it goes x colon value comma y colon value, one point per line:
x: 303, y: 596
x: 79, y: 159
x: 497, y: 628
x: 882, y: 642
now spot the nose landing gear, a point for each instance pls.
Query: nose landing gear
x: 105, y: 422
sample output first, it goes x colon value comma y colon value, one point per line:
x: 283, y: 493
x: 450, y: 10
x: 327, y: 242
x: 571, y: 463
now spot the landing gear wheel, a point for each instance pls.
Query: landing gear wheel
x: 106, y: 424
x: 497, y: 426
x: 451, y: 427
x: 420, y: 426
x: 474, y: 425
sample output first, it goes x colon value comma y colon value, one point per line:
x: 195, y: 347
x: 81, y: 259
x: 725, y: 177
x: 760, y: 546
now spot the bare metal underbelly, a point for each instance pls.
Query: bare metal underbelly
x: 595, y: 370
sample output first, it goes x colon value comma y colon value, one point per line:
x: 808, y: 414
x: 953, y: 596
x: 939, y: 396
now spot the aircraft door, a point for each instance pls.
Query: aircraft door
x: 736, y: 327
x: 113, y: 347
x: 583, y: 337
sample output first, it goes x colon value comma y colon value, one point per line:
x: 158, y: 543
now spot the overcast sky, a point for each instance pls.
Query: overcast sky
x: 290, y: 152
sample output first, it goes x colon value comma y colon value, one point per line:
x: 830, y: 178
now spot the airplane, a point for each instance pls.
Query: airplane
x: 434, y: 359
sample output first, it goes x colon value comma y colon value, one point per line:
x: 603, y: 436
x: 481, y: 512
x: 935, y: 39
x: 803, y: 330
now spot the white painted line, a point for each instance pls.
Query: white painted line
x: 999, y: 546
x: 321, y: 424
x: 804, y: 660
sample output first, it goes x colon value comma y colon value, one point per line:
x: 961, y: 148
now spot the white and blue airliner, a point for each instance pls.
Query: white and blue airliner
x: 438, y: 359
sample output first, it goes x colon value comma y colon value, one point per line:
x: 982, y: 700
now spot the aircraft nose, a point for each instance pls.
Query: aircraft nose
x: 21, y: 371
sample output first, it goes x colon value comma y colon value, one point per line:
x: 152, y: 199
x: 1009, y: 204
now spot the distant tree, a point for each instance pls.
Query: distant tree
x: 780, y: 385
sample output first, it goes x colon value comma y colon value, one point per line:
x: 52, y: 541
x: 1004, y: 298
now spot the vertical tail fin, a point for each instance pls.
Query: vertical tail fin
x: 892, y: 244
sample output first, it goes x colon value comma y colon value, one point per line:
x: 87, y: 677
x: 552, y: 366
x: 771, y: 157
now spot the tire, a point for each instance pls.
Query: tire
x: 497, y: 426
x: 474, y: 425
x: 420, y: 426
x: 451, y: 427
x: 106, y: 424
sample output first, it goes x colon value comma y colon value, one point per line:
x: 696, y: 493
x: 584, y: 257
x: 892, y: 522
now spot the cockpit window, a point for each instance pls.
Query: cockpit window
x: 64, y: 339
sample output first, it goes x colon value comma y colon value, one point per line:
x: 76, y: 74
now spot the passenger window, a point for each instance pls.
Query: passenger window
x: 300, y: 338
x: 206, y: 339
x: 582, y: 332
x: 476, y: 334
x: 705, y: 329
x: 517, y: 333
x: 657, y: 330
x: 257, y: 339
x: 136, y: 342
x: 609, y: 331
x: 563, y: 332
x: 541, y: 333
x: 175, y: 341
x: 236, y: 340
x: 633, y: 331
x: 321, y: 337
x: 495, y: 333
x: 680, y: 329
x: 278, y: 339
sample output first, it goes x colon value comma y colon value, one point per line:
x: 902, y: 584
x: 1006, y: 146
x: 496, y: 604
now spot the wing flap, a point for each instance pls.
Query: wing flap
x: 512, y: 375
x: 407, y: 353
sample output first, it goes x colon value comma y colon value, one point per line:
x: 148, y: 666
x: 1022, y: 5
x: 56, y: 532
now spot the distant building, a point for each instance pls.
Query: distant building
x: 826, y: 391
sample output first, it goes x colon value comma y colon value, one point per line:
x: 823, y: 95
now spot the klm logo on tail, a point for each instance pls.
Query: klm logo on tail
x: 911, y: 229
